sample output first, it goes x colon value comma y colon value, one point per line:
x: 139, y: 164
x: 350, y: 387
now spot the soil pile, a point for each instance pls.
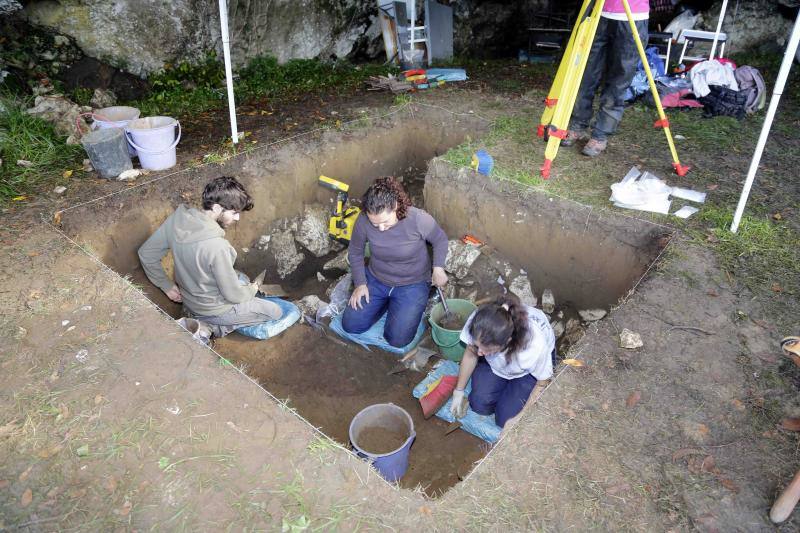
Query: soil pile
x: 453, y: 321
x: 380, y: 440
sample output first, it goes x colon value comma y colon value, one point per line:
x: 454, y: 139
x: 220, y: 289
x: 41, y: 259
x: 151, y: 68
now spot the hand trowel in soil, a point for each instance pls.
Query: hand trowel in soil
x: 268, y: 289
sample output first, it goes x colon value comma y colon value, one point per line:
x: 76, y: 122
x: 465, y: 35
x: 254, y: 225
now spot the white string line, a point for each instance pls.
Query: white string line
x: 141, y: 293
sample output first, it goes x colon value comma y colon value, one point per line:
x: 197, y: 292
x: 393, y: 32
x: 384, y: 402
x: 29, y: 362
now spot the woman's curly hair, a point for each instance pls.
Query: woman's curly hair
x: 386, y: 194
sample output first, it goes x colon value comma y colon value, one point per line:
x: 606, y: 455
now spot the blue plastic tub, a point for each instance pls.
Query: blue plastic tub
x: 393, y: 465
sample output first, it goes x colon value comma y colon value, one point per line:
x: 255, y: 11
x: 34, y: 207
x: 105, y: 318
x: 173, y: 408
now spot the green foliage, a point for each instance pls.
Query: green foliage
x: 761, y: 253
x: 81, y: 95
x: 31, y: 139
x: 193, y: 88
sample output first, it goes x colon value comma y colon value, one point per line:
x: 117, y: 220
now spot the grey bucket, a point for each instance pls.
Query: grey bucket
x: 108, y: 151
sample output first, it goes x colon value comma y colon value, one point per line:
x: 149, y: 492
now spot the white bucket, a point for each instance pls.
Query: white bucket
x: 115, y: 117
x: 155, y: 140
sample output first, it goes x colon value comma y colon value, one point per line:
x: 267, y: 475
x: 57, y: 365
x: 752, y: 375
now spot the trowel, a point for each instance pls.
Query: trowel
x: 266, y: 288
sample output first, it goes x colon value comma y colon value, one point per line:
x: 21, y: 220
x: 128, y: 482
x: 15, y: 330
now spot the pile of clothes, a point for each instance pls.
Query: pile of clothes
x: 718, y: 86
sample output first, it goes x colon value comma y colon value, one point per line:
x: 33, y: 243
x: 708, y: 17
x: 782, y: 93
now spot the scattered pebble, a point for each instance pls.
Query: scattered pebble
x: 60, y: 189
x: 245, y: 250
x: 630, y: 340
x: 70, y: 329
x: 82, y: 356
x: 679, y: 137
x: 320, y: 277
x: 20, y: 333
x: 548, y: 301
x: 592, y: 315
x: 24, y: 163
x: 64, y: 322
x: 129, y: 175
x: 87, y: 165
x: 86, y: 308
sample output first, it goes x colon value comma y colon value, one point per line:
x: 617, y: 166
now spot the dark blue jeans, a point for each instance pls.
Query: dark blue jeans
x: 405, y: 305
x: 493, y: 394
x: 613, y: 62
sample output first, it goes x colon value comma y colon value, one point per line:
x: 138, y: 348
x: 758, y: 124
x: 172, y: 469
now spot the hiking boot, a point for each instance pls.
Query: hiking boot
x: 573, y: 136
x: 594, y: 147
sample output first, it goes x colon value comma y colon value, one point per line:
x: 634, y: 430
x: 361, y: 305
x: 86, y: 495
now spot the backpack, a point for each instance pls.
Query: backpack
x: 752, y: 83
x: 722, y: 101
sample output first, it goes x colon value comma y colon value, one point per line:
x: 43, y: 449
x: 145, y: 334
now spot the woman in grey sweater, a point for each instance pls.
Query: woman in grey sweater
x: 398, y: 277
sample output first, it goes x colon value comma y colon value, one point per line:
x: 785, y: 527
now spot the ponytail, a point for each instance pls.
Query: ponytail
x: 503, y: 322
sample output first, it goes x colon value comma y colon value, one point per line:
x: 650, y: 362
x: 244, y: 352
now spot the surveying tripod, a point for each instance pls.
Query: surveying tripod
x: 564, y: 91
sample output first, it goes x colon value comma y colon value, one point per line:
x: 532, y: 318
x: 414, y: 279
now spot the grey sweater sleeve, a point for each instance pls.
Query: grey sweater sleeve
x: 150, y: 255
x: 358, y: 244
x: 228, y: 282
x: 434, y: 234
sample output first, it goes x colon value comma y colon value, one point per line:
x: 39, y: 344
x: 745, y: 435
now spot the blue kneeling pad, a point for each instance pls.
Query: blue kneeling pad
x: 374, y: 335
x: 270, y: 328
x: 483, y: 427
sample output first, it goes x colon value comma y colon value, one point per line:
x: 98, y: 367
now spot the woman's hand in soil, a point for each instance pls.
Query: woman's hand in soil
x: 439, y: 277
x: 362, y: 291
x: 174, y: 294
x: 458, y: 408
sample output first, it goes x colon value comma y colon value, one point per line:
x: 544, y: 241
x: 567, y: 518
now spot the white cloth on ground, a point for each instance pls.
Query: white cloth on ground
x: 712, y: 72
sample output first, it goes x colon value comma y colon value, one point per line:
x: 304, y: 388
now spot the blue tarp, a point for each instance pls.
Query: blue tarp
x: 265, y: 330
x: 446, y: 74
x: 374, y: 335
x: 639, y: 84
x: 483, y: 427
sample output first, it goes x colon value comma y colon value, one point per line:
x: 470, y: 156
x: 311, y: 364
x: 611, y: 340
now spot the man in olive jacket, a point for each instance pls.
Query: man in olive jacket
x: 205, y: 281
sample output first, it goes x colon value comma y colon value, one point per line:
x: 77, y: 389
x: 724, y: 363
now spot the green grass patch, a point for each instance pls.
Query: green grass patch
x: 761, y: 254
x: 196, y: 87
x: 23, y: 137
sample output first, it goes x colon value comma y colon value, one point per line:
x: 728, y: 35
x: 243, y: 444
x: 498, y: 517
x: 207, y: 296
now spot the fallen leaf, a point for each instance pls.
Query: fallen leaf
x: 685, y: 452
x: 83, y: 451
x: 8, y: 428
x: 712, y: 186
x: 728, y: 484
x: 126, y: 508
x: 708, y: 464
x: 57, y: 218
x: 67, y: 173
x: 26, y: 499
x: 19, y: 198
x: 790, y: 424
x: 777, y: 216
x: 577, y: 363
x: 23, y: 476
x: 738, y: 404
x: 111, y: 484
x: 49, y: 452
x: 633, y: 399
x: 425, y: 510
x: 776, y: 287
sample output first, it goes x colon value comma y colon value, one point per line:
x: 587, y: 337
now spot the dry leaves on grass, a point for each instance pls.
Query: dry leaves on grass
x: 26, y: 499
x: 699, y: 462
x: 10, y: 429
x: 790, y: 424
x: 633, y: 399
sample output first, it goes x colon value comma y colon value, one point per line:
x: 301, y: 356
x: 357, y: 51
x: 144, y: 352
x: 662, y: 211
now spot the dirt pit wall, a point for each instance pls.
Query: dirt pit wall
x: 281, y: 181
x: 587, y: 257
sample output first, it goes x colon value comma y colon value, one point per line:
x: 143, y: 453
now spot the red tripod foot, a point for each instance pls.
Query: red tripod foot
x: 681, y: 170
x: 545, y: 170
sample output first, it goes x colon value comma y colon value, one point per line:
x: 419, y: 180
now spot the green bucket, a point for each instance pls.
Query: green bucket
x: 448, y: 340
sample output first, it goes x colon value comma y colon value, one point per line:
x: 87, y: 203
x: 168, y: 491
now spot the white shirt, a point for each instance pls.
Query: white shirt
x: 534, y: 359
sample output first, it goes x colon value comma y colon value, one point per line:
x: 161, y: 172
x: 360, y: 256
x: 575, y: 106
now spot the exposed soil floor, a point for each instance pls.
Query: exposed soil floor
x: 125, y: 423
x: 329, y: 383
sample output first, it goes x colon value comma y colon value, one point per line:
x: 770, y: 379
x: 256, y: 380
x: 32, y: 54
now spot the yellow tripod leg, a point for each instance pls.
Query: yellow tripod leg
x: 558, y: 82
x: 572, y: 81
x: 662, y: 121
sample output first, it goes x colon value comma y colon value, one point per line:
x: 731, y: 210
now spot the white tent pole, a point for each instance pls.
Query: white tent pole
x: 226, y: 51
x: 783, y: 73
x: 719, y: 28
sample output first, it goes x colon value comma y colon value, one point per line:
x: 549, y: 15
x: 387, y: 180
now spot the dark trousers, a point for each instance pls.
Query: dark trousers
x: 405, y: 305
x: 612, y: 61
x: 493, y: 394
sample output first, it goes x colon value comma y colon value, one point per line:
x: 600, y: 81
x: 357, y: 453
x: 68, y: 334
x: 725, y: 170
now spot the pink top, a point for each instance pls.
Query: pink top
x: 637, y: 6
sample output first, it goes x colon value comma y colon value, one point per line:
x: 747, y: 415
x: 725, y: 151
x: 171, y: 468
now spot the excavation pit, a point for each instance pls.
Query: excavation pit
x: 589, y: 259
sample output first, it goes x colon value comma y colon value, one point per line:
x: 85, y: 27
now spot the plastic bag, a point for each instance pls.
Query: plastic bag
x: 270, y: 328
x: 339, y: 297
